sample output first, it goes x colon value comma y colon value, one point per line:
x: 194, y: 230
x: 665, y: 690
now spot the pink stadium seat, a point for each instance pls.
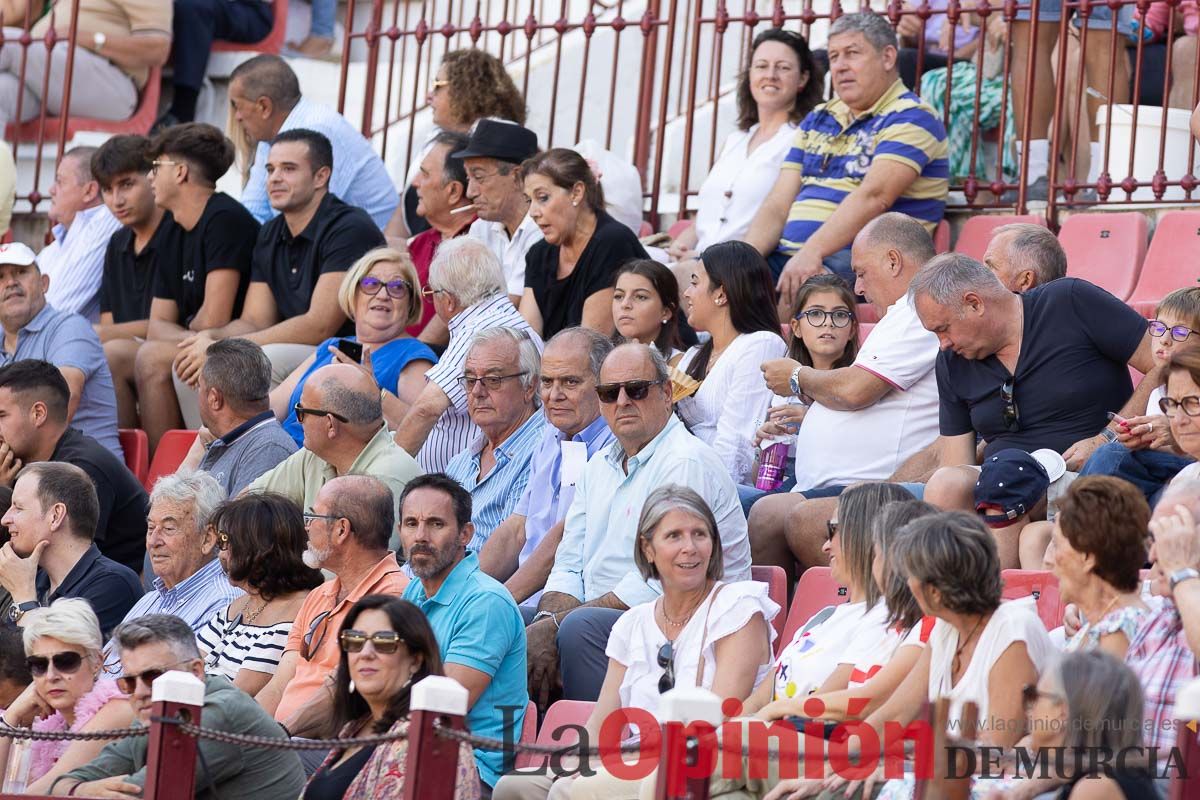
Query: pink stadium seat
x: 274, y: 41
x: 172, y: 449
x: 646, y: 230
x: 136, y: 446
x: 866, y: 312
x: 977, y: 231
x: 679, y: 227
x: 815, y: 591
x: 562, y: 712
x: 1106, y: 249
x: 1170, y: 261
x: 143, y: 117
x: 1044, y: 588
x: 864, y: 330
x: 941, y: 237
x: 528, y: 734
x: 776, y: 580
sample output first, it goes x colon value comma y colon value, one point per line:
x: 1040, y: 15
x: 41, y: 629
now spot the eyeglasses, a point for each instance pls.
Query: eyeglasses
x: 490, y: 382
x: 1030, y: 694
x: 320, y: 412
x: 1009, y: 414
x: 222, y: 541
x: 397, y: 289
x: 311, y: 642
x: 1189, y: 405
x: 438, y: 84
x: 817, y: 317
x: 310, y: 516
x: 666, y: 660
x: 127, y: 683
x: 634, y: 390
x: 1179, y: 333
x: 831, y: 530
x: 428, y: 292
x: 65, y: 663
x: 162, y: 162
x: 385, y: 642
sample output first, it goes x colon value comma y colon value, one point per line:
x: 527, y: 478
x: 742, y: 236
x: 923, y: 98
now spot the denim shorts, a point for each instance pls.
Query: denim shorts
x: 1099, y: 17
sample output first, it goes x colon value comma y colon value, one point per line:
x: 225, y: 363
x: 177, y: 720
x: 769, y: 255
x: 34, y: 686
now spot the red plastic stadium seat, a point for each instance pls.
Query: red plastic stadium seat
x: 866, y: 312
x: 143, y: 117
x: 1170, y: 261
x: 1044, y: 588
x: 272, y: 44
x: 136, y: 445
x: 1106, y: 249
x: 646, y: 230
x: 679, y: 227
x: 977, y: 231
x: 815, y: 591
x: 528, y: 734
x: 562, y: 712
x: 941, y: 237
x: 172, y: 449
x: 864, y: 330
x: 776, y: 580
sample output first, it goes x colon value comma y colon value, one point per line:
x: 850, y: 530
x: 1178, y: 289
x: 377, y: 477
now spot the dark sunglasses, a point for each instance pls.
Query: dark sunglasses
x: 397, y: 289
x: 1030, y: 694
x: 666, y: 660
x: 634, y: 390
x: 320, y: 412
x: 1179, y: 333
x: 1189, y: 405
x: 1009, y: 413
x: 385, y: 642
x: 128, y: 683
x: 817, y: 317
x: 308, y: 647
x: 65, y: 663
x: 831, y: 530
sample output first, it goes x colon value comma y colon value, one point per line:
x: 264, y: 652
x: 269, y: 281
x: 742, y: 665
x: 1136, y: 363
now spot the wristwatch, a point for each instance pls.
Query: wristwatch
x: 17, y: 610
x: 794, y: 381
x: 1181, y: 575
x: 98, y: 41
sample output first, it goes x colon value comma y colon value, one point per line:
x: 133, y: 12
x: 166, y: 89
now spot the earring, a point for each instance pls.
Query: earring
x: 574, y: 203
x: 352, y: 690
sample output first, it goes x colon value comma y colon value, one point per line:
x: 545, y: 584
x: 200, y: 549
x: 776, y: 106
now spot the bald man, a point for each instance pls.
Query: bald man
x: 344, y: 434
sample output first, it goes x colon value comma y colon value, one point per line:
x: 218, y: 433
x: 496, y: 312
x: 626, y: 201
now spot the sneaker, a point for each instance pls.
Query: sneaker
x: 1036, y: 192
x: 312, y: 47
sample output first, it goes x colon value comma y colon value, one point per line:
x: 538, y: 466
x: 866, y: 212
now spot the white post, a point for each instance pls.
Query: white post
x: 178, y: 687
x: 441, y: 695
x: 677, y: 709
x: 432, y: 761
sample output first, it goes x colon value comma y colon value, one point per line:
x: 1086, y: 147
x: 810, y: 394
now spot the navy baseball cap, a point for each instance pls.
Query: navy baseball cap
x: 1012, y: 481
x: 504, y: 141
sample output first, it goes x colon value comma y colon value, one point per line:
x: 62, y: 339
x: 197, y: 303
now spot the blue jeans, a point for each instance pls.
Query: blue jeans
x: 582, y: 639
x: 1100, y: 16
x: 323, y: 13
x: 838, y: 263
x: 1148, y: 470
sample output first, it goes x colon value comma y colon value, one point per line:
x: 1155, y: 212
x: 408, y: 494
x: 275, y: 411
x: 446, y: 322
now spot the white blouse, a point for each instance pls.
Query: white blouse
x: 845, y: 637
x: 732, y: 402
x: 737, y: 185
x: 636, y: 639
x: 228, y: 648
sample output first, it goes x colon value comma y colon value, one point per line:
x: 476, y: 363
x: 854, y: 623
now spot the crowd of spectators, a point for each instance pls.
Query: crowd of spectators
x: 475, y: 429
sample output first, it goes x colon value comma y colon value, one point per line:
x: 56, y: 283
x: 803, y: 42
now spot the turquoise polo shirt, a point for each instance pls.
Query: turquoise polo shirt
x: 477, y: 625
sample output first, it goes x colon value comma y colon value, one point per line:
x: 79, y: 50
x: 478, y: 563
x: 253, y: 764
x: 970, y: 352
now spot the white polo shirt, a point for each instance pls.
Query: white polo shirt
x: 835, y: 448
x: 511, y: 252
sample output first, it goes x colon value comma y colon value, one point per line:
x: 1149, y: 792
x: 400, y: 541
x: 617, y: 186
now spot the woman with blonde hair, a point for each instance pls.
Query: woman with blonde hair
x: 381, y: 294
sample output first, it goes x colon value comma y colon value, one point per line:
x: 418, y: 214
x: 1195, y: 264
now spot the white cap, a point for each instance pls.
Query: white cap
x: 16, y: 253
x: 1052, y: 461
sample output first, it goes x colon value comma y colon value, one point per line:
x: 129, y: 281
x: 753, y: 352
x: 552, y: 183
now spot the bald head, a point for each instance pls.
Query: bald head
x: 635, y: 356
x: 346, y: 390
x: 367, y: 503
x: 901, y: 233
x: 885, y: 255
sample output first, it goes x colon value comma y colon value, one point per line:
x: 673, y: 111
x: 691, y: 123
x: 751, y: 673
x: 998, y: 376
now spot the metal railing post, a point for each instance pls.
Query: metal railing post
x: 432, y: 760
x: 171, y: 753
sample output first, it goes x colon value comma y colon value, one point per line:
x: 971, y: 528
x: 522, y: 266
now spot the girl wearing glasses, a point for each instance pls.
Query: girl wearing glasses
x: 260, y: 541
x: 732, y: 298
x: 387, y: 646
x: 1145, y: 453
x: 62, y: 644
x: 382, y: 295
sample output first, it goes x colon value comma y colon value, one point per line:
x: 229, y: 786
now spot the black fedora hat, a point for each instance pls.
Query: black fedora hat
x: 505, y: 141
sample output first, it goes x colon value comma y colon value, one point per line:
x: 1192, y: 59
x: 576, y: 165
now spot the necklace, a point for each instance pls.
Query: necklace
x: 254, y: 616
x: 963, y: 645
x: 663, y: 608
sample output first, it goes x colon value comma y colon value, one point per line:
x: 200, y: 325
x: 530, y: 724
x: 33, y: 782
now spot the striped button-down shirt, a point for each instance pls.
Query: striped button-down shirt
x: 454, y: 430
x: 195, y: 600
x: 1160, y: 657
x: 75, y: 261
x: 359, y: 177
x: 495, y: 495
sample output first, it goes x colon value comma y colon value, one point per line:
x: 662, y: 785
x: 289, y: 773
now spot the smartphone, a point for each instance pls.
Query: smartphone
x: 350, y: 349
x: 1117, y: 418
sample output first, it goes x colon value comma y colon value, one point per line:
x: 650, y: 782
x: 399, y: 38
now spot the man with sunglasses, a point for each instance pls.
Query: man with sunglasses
x: 594, y: 578
x: 344, y: 434
x: 149, y: 648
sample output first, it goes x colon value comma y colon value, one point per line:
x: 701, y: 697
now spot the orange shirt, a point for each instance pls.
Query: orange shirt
x: 315, y: 631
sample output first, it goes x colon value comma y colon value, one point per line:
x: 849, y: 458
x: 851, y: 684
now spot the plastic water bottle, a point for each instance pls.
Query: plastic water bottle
x: 16, y: 777
x: 772, y: 464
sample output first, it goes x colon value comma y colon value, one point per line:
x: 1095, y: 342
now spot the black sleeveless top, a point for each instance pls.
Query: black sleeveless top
x: 1134, y: 784
x: 332, y: 783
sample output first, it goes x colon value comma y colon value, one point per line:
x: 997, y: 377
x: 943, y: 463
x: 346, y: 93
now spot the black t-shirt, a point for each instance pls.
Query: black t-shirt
x: 561, y: 301
x: 128, y: 283
x: 222, y: 239
x: 121, y: 527
x: 111, y: 588
x: 1072, y: 369
x: 338, y: 235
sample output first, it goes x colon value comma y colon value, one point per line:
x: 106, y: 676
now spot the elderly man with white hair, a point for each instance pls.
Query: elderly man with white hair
x: 468, y: 289
x: 1025, y: 256
x: 188, y: 580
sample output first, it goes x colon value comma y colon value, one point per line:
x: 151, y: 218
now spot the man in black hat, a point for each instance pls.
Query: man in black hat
x: 1010, y: 493
x: 492, y: 156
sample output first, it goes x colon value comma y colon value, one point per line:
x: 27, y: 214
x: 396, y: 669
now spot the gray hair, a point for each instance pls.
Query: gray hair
x: 367, y: 503
x: 1184, y: 493
x: 857, y: 508
x: 68, y: 619
x: 901, y: 232
x: 529, y: 360
x: 946, y: 278
x: 82, y: 156
x: 955, y: 553
x: 662, y: 501
x: 155, y: 628
x: 1104, y: 701
x: 598, y: 345
x: 270, y: 76
x: 874, y: 28
x: 1035, y: 248
x: 467, y: 269
x: 190, y: 486
x: 241, y: 371
x: 359, y: 408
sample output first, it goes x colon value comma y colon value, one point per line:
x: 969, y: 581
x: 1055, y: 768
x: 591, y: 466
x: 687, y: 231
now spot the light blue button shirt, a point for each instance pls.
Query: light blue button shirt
x: 75, y: 261
x: 494, y: 498
x: 359, y: 176
x: 595, y: 556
